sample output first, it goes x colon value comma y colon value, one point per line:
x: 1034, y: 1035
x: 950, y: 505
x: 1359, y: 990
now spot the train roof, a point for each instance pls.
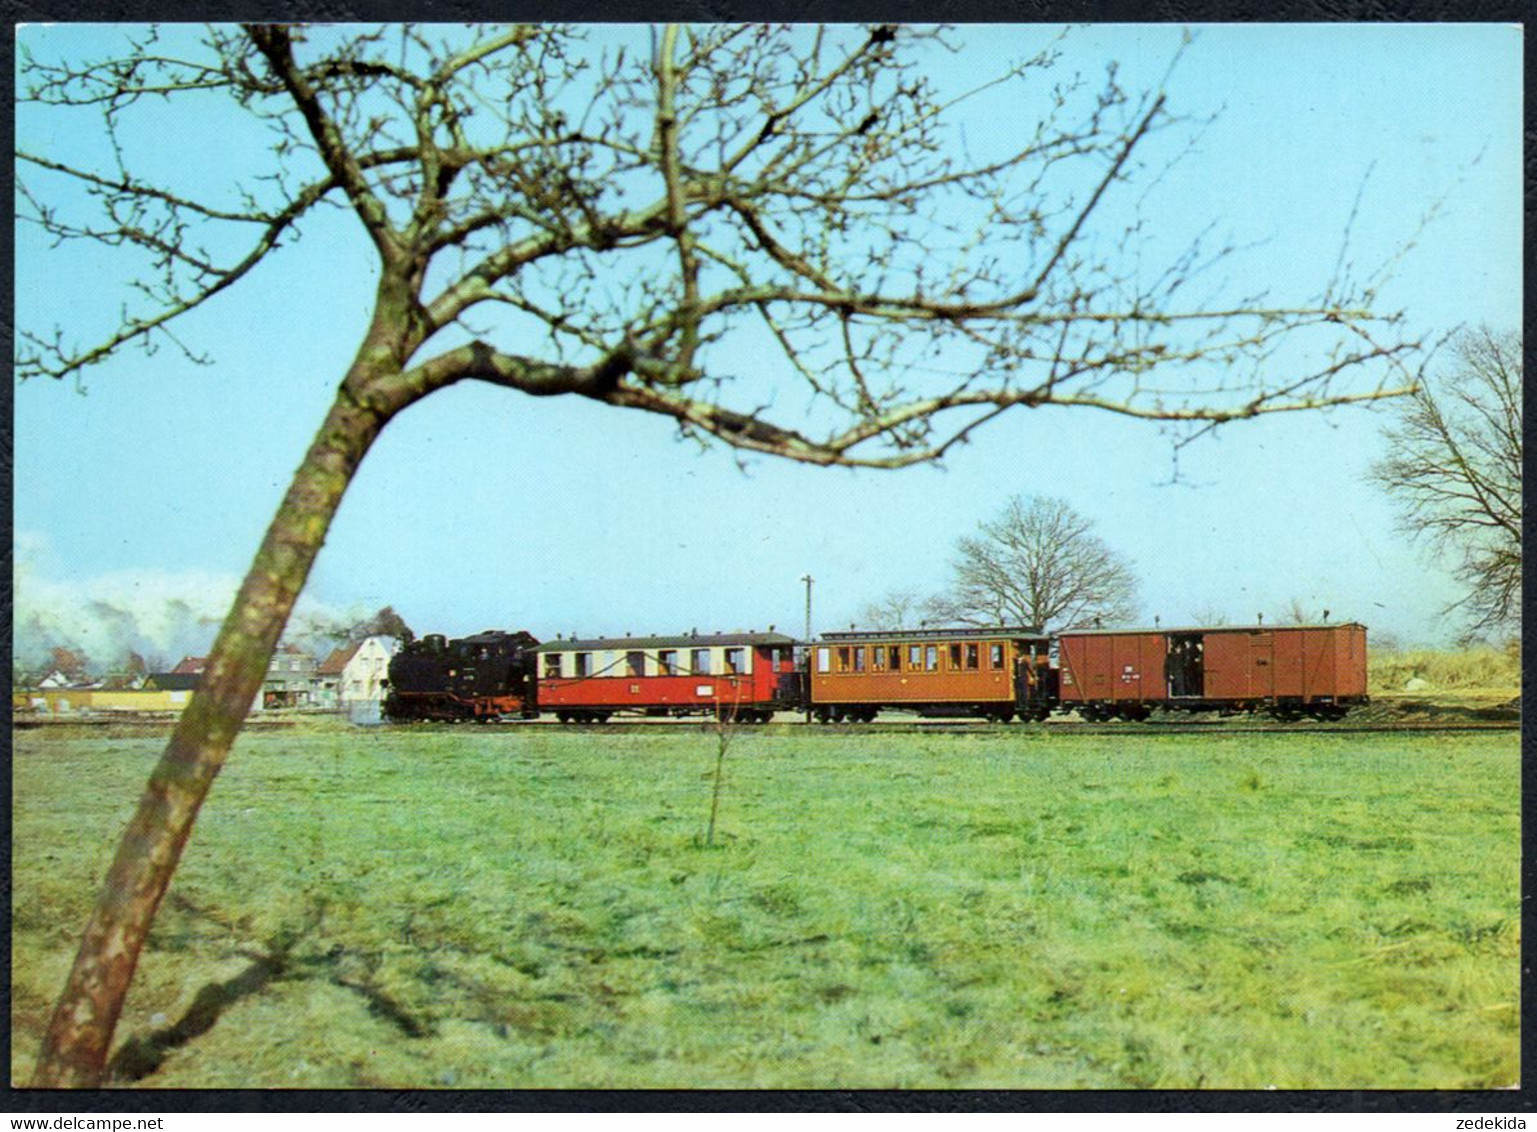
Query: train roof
x: 691, y: 641
x: 862, y: 636
x: 1186, y: 629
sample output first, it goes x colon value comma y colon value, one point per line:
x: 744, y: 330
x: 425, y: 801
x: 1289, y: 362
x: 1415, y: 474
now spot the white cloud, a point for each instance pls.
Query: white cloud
x: 162, y: 615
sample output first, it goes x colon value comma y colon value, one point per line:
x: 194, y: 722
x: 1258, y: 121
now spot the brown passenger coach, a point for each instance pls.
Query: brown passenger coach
x: 991, y: 673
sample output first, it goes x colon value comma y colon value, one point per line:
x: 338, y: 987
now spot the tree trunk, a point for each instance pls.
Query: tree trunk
x: 79, y: 1035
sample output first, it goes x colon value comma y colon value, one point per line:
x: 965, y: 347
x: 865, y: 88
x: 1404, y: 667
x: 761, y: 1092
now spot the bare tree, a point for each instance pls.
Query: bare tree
x: 1454, y: 468
x: 1209, y: 616
x: 896, y: 609
x: 1037, y: 563
x: 625, y: 220
x: 70, y: 662
x: 383, y: 623
x: 1295, y: 613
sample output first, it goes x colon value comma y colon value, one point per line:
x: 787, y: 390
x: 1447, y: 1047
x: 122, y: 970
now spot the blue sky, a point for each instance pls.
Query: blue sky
x: 482, y: 508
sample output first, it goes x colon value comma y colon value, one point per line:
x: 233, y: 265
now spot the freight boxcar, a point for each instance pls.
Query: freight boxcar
x: 482, y: 677
x: 745, y: 676
x: 993, y: 673
x: 1289, y: 671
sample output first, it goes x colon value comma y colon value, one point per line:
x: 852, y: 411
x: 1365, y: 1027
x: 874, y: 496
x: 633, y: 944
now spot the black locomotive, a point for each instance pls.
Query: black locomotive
x: 483, y: 677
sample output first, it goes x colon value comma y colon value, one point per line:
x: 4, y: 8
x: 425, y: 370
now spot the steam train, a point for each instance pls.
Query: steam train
x: 1000, y: 674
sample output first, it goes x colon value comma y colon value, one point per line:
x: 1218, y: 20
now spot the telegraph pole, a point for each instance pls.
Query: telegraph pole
x: 806, y: 680
x: 808, y: 580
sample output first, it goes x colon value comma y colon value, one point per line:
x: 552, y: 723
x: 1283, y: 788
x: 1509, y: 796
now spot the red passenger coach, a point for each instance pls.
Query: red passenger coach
x: 1290, y: 671
x: 746, y: 676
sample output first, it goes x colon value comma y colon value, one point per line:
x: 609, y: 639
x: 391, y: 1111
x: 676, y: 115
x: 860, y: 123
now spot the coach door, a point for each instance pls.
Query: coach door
x: 1186, y: 666
x: 1262, y: 665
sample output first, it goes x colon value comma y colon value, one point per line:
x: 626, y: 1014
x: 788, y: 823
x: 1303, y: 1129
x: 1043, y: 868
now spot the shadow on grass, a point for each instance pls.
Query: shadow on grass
x: 141, y: 1056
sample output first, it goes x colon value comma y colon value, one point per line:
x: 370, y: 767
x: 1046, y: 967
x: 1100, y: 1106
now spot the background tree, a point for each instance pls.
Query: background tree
x: 624, y: 222
x: 898, y: 609
x: 1037, y: 563
x: 71, y: 662
x: 1454, y: 469
x: 385, y: 623
x: 1209, y: 616
x: 1297, y: 612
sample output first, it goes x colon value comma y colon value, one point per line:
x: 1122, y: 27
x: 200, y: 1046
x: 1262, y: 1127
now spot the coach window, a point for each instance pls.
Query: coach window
x: 824, y: 659
x: 736, y: 660
x: 551, y: 665
x: 635, y: 663
x: 699, y: 660
x: 995, y: 654
x: 973, y: 657
x: 931, y: 658
x: 894, y: 660
x: 914, y: 657
x: 584, y: 664
x: 955, y: 658
x: 667, y: 662
x: 878, y: 658
x: 859, y: 658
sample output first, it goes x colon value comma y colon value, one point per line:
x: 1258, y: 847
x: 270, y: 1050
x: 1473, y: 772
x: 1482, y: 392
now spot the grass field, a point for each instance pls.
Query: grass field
x: 1026, y: 908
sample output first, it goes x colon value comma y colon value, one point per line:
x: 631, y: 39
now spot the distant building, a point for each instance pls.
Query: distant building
x: 191, y: 666
x: 123, y: 682
x: 352, y: 678
x: 56, y: 692
x: 292, y: 680
x: 172, y: 682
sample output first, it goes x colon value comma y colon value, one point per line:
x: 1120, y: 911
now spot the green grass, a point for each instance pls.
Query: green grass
x: 519, y: 908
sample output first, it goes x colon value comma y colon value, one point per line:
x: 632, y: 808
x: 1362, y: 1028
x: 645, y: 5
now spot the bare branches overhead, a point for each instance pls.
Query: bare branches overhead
x: 776, y: 237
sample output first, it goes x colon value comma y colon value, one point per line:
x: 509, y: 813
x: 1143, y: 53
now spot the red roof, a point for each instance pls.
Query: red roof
x: 191, y: 666
x: 333, y: 664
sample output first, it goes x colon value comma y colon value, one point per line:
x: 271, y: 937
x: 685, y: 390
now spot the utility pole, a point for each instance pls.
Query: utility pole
x: 806, y: 680
x: 808, y: 580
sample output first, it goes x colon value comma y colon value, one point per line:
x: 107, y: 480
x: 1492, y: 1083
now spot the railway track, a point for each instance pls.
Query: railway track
x: 982, y: 727
x: 890, y: 727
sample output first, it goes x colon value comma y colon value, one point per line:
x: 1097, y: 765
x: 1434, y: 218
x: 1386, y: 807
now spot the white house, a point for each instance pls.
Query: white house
x: 352, y: 677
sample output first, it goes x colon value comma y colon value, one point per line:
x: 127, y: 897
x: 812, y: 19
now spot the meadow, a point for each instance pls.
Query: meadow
x: 1021, y: 908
